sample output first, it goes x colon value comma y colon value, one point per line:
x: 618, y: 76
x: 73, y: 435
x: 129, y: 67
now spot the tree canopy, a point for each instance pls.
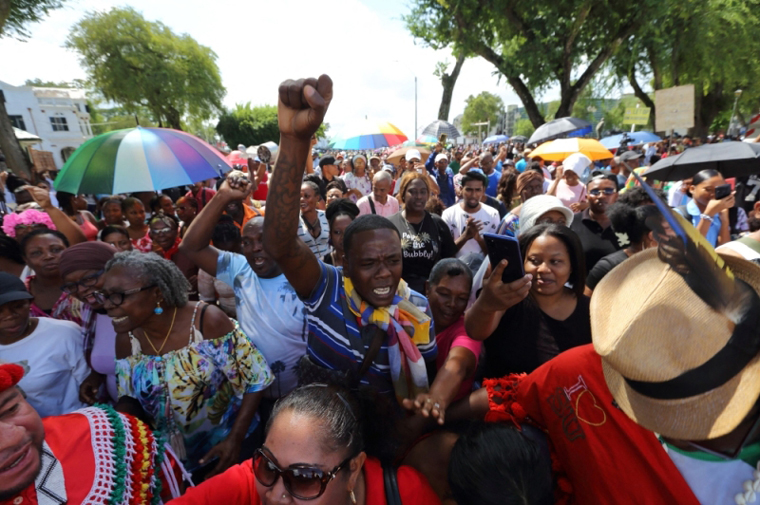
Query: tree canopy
x: 478, y: 109
x: 139, y: 63
x: 252, y: 126
x: 700, y: 42
x: 536, y: 44
x: 16, y: 14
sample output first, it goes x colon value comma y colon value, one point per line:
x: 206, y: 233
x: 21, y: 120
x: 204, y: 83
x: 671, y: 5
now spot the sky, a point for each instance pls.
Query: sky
x: 362, y: 44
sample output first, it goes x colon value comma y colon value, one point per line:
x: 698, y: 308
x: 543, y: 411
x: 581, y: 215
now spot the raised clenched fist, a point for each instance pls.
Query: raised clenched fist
x: 302, y: 106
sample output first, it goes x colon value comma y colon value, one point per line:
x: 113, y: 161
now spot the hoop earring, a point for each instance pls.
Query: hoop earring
x: 158, y: 310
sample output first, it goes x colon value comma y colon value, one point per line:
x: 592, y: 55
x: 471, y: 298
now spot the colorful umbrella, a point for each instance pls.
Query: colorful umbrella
x: 369, y: 135
x: 495, y: 139
x: 558, y: 150
x: 633, y: 139
x: 439, y: 127
x: 427, y: 140
x: 139, y: 159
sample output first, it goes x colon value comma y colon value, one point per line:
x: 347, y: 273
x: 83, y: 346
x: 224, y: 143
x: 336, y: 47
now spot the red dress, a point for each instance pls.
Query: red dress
x: 599, y: 455
x: 237, y: 486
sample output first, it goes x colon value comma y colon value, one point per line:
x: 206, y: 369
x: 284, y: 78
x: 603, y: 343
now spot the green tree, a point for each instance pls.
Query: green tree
x: 252, y: 126
x: 534, y: 44
x: 695, y: 42
x: 482, y: 108
x: 448, y: 80
x: 139, y: 63
x: 15, y: 15
x: 524, y: 127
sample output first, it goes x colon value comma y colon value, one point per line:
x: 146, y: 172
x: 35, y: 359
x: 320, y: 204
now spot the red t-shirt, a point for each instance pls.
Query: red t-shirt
x: 237, y: 486
x: 456, y: 336
x: 599, y: 455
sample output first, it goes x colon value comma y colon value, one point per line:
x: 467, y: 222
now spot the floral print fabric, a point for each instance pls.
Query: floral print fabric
x: 204, y: 384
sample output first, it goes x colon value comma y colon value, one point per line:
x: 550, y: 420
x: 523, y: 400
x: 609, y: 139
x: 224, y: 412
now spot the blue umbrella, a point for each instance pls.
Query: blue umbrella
x: 495, y: 139
x: 636, y: 139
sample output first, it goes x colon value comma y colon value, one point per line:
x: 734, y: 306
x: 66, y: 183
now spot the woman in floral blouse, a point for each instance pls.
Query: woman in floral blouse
x: 188, y: 365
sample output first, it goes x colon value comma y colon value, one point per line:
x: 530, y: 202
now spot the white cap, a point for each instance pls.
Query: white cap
x: 539, y: 205
x: 441, y: 157
x: 576, y: 162
x: 412, y: 154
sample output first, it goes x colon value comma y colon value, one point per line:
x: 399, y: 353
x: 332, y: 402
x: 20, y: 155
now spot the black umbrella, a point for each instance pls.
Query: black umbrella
x: 519, y: 139
x: 438, y: 128
x: 562, y: 127
x: 732, y: 159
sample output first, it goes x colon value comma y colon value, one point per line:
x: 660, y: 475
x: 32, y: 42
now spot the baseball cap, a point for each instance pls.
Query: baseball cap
x: 326, y: 160
x: 440, y: 157
x: 12, y: 288
x: 412, y: 154
x: 630, y: 155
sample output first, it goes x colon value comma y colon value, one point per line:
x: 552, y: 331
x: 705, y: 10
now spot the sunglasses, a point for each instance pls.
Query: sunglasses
x: 304, y: 482
x: 606, y: 191
x: 85, y: 282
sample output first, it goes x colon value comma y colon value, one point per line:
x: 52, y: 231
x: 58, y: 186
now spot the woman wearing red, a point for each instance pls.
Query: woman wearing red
x: 313, y: 452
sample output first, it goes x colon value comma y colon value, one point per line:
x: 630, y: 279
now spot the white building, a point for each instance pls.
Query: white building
x: 59, y: 116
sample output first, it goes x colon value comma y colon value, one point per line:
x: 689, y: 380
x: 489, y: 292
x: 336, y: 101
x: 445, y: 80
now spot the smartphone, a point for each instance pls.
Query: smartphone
x: 722, y: 191
x: 502, y: 247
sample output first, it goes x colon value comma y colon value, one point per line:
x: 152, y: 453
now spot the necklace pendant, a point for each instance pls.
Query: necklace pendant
x: 158, y: 358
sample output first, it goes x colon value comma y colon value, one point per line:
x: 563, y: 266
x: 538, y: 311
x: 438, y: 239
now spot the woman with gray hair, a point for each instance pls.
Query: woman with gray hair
x: 189, y: 366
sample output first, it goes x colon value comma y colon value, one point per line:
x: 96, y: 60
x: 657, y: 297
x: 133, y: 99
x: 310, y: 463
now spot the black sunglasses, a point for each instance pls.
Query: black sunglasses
x: 304, y: 482
x: 606, y: 191
x: 118, y: 298
x: 85, y: 282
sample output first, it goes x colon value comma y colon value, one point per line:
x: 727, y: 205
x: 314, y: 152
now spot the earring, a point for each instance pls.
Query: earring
x: 353, y: 496
x: 158, y: 310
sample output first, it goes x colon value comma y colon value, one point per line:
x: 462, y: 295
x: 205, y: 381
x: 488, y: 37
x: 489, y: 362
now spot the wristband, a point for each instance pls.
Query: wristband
x: 706, y: 217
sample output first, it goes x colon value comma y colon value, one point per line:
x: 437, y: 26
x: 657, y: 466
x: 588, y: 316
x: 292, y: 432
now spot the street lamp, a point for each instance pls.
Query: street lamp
x: 415, y: 97
x: 737, y: 94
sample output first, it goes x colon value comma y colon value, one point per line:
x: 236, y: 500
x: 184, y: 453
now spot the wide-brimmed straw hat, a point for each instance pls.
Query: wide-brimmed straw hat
x: 670, y: 358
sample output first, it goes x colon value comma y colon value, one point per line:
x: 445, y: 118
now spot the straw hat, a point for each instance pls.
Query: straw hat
x: 651, y: 329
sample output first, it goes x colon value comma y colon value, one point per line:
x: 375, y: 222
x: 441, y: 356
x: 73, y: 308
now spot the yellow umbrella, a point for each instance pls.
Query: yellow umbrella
x: 558, y: 150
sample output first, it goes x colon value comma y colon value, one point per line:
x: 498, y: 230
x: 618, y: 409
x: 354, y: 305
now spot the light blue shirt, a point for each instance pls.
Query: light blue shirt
x: 694, y: 215
x: 271, y: 315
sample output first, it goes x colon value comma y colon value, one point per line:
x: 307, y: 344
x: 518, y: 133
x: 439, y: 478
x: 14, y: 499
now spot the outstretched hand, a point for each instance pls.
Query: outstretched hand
x: 427, y: 406
x: 302, y: 106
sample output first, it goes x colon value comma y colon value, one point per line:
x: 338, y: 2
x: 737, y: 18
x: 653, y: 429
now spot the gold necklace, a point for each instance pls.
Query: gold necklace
x: 166, y: 338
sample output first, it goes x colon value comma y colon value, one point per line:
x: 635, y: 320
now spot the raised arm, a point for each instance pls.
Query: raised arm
x: 482, y: 319
x: 62, y: 222
x: 301, y: 108
x: 196, y: 242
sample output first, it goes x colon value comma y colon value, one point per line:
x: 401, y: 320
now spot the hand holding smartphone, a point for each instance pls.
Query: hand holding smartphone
x: 503, y: 247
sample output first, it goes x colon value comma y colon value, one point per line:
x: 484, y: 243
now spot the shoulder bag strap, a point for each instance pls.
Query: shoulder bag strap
x: 390, y: 480
x: 371, y: 204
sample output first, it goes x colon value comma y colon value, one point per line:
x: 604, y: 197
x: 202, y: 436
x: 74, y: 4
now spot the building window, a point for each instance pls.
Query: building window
x: 59, y: 124
x: 18, y: 122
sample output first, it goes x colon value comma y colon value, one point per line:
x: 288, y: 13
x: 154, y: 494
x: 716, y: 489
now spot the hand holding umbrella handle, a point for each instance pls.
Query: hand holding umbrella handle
x: 302, y: 106
x: 237, y: 186
x: 41, y: 196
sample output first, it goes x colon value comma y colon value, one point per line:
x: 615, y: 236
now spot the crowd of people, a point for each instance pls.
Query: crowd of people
x: 332, y: 329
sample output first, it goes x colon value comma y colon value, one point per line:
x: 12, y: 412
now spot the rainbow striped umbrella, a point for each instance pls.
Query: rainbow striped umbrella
x: 139, y: 159
x: 427, y: 140
x: 369, y: 135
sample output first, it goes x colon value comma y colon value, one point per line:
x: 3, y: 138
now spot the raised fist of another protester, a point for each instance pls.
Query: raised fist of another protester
x: 302, y: 106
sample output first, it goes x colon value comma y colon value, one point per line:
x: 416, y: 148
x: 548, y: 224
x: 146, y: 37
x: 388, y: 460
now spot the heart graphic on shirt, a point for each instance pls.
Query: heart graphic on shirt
x: 588, y: 410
